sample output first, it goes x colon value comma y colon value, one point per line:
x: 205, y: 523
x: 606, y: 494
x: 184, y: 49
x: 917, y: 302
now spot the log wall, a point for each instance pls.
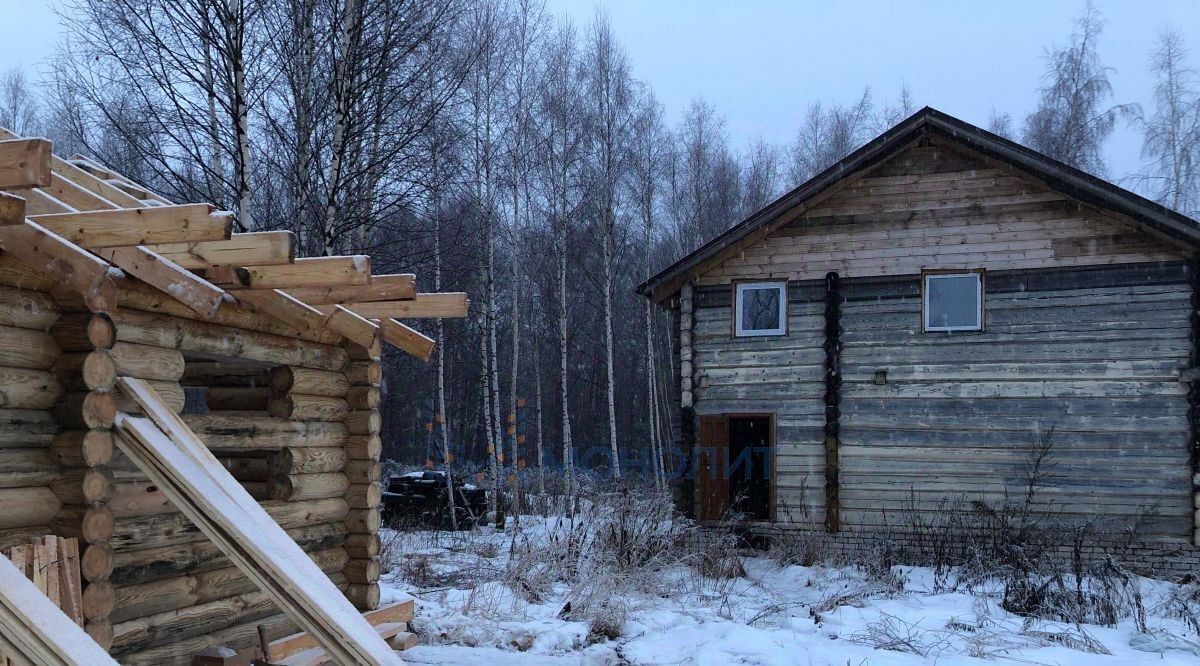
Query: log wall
x: 161, y: 590
x: 29, y: 468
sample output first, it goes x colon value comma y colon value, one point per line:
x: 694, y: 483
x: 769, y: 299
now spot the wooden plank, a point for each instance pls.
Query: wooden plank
x: 33, y: 627
x: 398, y: 613
x: 71, y: 597
x: 424, y: 306
x: 24, y: 163
x: 353, y: 326
x: 266, y: 248
x: 278, y: 304
x: 167, y: 451
x: 39, y: 202
x: 140, y: 226
x: 406, y: 338
x: 382, y: 288
x: 77, y: 186
x: 72, y: 265
x: 169, y: 278
x: 307, y: 272
x: 105, y: 174
x: 12, y: 209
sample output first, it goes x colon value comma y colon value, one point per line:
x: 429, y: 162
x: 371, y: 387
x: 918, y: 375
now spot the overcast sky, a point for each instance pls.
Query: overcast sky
x: 762, y: 62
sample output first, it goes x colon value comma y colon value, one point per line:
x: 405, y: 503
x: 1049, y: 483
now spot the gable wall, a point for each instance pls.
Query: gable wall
x: 930, y: 208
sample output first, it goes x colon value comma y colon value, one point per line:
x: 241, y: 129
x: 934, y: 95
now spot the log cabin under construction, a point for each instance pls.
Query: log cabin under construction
x: 944, y: 316
x: 131, y: 326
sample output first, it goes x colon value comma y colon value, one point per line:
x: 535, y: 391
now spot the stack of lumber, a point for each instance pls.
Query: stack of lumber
x: 391, y: 623
x: 33, y: 627
x: 164, y: 447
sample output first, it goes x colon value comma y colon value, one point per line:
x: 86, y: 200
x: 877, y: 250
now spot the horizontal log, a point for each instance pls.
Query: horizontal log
x: 364, y: 495
x: 80, y: 331
x: 286, y: 379
x: 167, y: 563
x: 252, y: 430
x: 25, y: 308
x: 363, y: 471
x: 364, y: 447
x: 369, y: 373
x: 171, y: 393
x: 132, y: 499
x: 27, y: 348
x: 363, y: 546
x: 364, y: 422
x: 300, y: 407
x: 23, y: 388
x: 364, y: 597
x: 83, y: 448
x: 237, y: 398
x: 308, y: 460
x: 26, y: 428
x: 362, y: 572
x: 208, y: 338
x: 24, y: 163
x: 175, y: 529
x: 363, y: 521
x: 244, y: 635
x: 19, y: 536
x: 363, y: 397
x: 254, y: 467
x: 301, y: 487
x: 25, y: 507
x: 27, y: 467
x: 148, y: 599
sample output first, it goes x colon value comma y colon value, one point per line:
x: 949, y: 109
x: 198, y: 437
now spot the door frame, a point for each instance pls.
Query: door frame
x: 773, y: 443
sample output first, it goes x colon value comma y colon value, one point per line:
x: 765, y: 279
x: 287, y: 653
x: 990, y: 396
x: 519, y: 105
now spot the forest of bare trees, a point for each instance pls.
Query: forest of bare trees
x: 495, y: 149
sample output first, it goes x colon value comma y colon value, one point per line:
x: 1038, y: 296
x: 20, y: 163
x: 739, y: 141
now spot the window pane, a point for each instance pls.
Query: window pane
x: 953, y: 301
x: 760, y: 309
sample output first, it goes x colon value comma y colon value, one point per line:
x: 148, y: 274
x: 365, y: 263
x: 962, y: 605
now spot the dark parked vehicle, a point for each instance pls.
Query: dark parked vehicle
x: 418, y: 499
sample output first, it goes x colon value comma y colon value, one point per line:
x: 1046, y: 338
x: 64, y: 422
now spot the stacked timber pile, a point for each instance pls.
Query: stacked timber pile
x: 101, y: 278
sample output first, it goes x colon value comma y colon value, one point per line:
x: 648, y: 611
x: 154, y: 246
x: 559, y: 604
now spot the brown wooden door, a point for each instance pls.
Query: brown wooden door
x: 712, y: 479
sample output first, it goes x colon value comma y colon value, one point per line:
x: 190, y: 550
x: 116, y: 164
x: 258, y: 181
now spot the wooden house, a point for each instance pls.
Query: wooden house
x: 923, y: 320
x: 130, y: 325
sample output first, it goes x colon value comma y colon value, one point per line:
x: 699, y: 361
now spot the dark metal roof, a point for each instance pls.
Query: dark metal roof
x: 1058, y: 176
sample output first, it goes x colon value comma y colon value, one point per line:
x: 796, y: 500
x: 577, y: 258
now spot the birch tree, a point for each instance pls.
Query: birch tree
x: 1171, y: 136
x: 609, y: 89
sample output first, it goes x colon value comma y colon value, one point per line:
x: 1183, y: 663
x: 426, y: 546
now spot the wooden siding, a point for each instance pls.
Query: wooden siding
x: 771, y: 375
x: 1095, y: 368
x: 930, y: 208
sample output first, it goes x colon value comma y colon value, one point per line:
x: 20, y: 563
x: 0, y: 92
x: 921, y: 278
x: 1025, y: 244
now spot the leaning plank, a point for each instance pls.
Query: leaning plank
x: 308, y: 272
x: 54, y: 255
x: 24, y: 163
x: 264, y: 248
x: 140, y: 226
x: 404, y: 337
x: 33, y: 627
x: 172, y: 456
x: 424, y: 306
x: 170, y: 278
x: 397, y: 287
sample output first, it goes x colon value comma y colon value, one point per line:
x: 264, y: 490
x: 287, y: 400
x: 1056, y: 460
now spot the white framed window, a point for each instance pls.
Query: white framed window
x: 759, y: 308
x: 953, y: 301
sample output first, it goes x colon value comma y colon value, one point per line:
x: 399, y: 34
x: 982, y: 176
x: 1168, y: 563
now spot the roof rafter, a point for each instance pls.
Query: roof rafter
x: 140, y: 226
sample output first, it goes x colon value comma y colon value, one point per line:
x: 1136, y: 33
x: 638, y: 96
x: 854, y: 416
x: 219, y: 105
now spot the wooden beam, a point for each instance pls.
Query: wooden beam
x: 309, y: 272
x: 353, y: 327
x: 283, y: 648
x: 424, y: 306
x: 382, y: 288
x: 140, y: 226
x: 278, y: 304
x: 24, y: 163
x: 12, y: 209
x: 411, y: 341
x: 193, y: 479
x: 168, y: 277
x: 75, y: 267
x: 38, y: 202
x: 104, y: 173
x: 266, y: 248
x: 80, y: 189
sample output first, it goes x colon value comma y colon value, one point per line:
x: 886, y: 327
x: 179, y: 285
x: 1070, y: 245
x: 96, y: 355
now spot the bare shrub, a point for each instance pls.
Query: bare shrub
x: 893, y: 633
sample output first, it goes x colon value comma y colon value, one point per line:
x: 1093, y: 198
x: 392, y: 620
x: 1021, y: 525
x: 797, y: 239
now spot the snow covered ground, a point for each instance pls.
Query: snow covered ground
x: 468, y: 612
